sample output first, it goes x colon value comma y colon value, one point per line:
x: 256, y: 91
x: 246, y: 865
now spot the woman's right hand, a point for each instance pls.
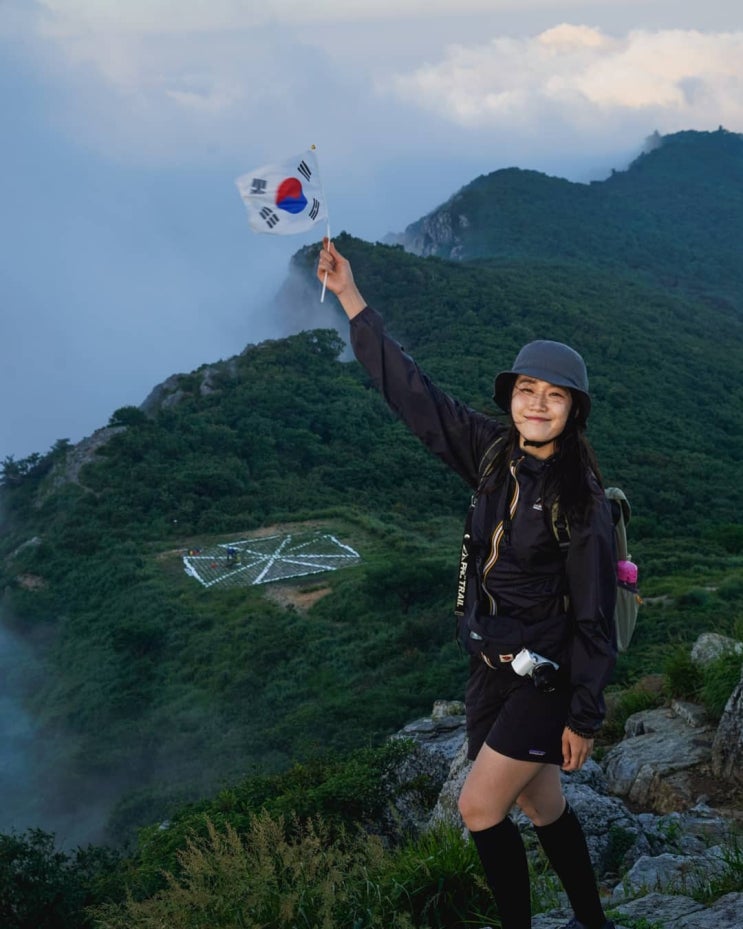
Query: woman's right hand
x: 339, y: 279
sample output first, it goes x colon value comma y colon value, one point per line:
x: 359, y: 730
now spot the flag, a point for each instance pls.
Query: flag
x: 284, y: 198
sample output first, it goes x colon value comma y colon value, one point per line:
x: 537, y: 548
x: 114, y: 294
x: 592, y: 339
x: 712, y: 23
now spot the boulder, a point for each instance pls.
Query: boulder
x: 447, y: 809
x: 658, y: 909
x: 651, y: 765
x: 690, y: 832
x: 614, y: 836
x: 669, y: 911
x: 437, y: 741
x: 668, y: 873
x: 710, y: 646
x: 727, y: 748
x: 725, y: 913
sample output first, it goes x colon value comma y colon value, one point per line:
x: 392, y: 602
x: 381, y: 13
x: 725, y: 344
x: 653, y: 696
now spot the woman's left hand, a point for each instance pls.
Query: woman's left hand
x: 576, y: 750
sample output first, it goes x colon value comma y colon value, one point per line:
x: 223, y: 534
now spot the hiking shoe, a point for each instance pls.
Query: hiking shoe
x: 577, y: 924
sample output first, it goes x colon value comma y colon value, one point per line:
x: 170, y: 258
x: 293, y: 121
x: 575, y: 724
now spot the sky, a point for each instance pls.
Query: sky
x: 125, y: 250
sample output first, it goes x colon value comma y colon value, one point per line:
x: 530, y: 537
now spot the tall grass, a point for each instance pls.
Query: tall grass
x: 285, y: 874
x: 280, y: 874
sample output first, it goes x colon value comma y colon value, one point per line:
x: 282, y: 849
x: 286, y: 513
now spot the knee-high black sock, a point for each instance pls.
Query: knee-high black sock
x: 564, y: 844
x: 503, y: 858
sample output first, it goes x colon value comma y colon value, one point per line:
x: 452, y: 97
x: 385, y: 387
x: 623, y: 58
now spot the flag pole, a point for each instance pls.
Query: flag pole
x: 313, y: 147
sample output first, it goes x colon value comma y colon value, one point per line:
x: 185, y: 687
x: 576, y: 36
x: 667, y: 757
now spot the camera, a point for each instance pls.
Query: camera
x: 541, y: 670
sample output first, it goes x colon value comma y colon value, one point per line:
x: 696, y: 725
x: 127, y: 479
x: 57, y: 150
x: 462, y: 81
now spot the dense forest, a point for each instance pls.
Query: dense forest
x: 673, y: 217
x: 152, y: 692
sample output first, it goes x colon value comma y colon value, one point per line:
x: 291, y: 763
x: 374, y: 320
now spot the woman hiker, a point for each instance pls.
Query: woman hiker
x: 530, y: 711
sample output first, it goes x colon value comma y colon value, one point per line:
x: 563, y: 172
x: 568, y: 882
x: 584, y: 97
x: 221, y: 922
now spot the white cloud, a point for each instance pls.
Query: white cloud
x: 153, y: 77
x: 678, y: 78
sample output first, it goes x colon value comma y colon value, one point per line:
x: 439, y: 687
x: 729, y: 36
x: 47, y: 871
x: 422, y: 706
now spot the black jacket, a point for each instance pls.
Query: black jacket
x: 522, y: 573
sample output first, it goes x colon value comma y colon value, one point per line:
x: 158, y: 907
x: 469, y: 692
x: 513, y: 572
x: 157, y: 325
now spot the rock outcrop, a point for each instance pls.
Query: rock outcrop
x: 711, y: 645
x: 727, y: 748
x: 172, y: 391
x: 655, y: 843
x: 651, y: 766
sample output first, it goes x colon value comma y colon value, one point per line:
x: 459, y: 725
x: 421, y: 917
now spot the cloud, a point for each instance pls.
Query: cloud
x: 69, y: 16
x: 154, y: 79
x: 145, y: 84
x: 578, y: 74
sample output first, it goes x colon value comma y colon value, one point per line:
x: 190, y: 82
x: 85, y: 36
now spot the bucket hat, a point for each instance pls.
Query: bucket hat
x: 549, y: 361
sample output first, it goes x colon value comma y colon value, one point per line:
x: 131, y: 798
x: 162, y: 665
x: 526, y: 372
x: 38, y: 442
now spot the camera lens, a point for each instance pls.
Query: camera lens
x: 545, y: 678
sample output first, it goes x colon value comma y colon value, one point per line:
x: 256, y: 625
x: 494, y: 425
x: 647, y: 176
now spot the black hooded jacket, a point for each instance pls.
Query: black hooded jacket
x: 521, y: 571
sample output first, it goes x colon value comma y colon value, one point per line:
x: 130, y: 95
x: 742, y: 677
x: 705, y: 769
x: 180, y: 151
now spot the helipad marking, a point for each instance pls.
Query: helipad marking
x: 255, y: 561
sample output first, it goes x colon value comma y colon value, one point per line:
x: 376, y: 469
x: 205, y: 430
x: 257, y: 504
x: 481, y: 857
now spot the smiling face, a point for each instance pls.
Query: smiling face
x: 539, y: 411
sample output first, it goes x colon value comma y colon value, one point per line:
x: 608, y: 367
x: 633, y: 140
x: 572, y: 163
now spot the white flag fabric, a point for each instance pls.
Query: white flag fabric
x: 284, y: 198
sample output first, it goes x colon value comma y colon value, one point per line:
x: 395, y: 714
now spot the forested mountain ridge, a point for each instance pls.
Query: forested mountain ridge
x: 153, y: 683
x: 673, y: 215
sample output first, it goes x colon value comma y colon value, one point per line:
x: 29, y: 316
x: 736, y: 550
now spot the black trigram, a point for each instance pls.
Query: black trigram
x: 268, y: 215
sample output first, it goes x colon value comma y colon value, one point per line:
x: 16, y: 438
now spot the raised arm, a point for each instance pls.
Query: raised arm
x: 340, y: 279
x: 450, y: 429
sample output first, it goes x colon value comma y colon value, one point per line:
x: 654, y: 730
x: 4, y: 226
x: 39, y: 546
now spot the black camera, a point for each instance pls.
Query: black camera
x: 542, y: 671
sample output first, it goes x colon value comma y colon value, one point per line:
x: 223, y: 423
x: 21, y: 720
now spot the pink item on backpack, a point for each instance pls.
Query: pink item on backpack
x: 627, y: 574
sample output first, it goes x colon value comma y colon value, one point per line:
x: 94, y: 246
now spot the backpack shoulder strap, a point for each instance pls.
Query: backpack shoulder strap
x: 560, y: 526
x: 621, y: 511
x: 487, y: 462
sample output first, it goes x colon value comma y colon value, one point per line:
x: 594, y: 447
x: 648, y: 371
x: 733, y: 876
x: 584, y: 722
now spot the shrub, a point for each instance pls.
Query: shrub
x: 621, y: 840
x: 280, y: 873
x: 344, y: 792
x: 730, y: 536
x: 694, y: 599
x: 719, y: 679
x: 42, y: 887
x: 621, y: 706
x: 683, y: 677
x: 731, y: 588
x: 730, y: 880
x: 437, y: 878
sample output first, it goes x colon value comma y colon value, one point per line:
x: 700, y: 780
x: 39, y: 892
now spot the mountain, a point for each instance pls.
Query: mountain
x: 151, y: 689
x: 674, y: 216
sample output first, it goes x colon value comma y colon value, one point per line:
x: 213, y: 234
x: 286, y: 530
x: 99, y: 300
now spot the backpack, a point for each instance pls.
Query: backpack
x: 628, y: 598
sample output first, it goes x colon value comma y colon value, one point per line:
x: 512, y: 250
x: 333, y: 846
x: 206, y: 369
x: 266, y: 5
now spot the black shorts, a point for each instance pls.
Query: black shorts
x: 512, y: 717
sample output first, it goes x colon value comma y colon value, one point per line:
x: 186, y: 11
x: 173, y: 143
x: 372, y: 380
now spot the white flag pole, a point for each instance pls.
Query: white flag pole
x: 327, y: 226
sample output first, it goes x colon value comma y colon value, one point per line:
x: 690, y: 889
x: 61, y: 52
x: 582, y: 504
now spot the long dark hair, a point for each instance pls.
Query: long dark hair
x: 567, y: 478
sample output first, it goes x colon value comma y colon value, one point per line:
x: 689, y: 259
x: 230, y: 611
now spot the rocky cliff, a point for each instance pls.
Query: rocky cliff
x: 660, y: 808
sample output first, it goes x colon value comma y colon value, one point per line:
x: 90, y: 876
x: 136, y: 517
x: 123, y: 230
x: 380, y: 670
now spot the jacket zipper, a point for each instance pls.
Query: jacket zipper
x: 498, y: 535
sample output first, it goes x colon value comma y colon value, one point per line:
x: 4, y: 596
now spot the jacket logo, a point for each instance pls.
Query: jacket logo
x: 462, y: 580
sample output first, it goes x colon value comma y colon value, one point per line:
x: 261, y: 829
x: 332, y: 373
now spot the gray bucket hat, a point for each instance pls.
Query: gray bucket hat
x: 553, y: 362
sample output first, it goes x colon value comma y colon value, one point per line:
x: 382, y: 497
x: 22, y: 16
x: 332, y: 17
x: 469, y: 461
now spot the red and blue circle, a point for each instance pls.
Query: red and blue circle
x: 290, y: 197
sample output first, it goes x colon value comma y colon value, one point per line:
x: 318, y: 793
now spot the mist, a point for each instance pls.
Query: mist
x: 36, y: 784
x: 17, y: 769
